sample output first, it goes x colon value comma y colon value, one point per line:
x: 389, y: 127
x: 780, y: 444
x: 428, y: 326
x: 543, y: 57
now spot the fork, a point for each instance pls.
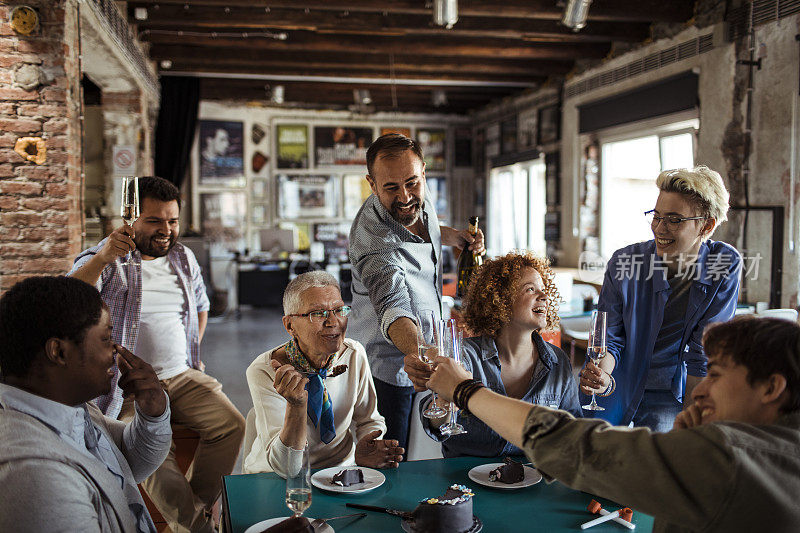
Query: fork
x: 320, y: 521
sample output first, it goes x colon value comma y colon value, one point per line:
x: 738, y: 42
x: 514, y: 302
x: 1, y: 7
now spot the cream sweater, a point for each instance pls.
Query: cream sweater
x: 354, y: 407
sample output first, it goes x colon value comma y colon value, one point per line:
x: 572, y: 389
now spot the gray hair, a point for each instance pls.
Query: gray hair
x: 705, y: 190
x: 307, y: 280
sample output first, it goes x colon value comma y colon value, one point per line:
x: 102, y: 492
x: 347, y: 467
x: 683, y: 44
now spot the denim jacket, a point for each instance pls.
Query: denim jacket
x: 634, y: 292
x: 552, y: 385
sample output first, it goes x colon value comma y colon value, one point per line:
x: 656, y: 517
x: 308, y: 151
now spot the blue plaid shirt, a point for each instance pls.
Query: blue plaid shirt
x: 120, y: 287
x: 395, y: 274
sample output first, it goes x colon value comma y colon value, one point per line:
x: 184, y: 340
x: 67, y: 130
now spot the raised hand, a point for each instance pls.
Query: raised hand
x: 374, y: 453
x: 418, y: 371
x: 446, y: 377
x: 119, y: 244
x: 138, y: 379
x: 688, y: 418
x: 290, y: 384
x: 593, y: 379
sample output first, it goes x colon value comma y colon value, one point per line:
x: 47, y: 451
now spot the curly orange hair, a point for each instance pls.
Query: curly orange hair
x: 492, y: 289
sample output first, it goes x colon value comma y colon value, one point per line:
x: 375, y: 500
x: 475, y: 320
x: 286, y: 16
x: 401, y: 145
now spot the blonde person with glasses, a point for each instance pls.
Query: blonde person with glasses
x: 659, y: 296
x: 316, y: 388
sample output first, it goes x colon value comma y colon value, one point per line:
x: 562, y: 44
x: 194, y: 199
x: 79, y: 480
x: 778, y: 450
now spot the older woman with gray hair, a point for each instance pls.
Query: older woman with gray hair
x: 316, y: 388
x: 659, y: 296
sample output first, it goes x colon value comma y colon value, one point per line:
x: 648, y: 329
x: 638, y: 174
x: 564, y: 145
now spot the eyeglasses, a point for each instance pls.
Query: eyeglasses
x: 322, y: 315
x: 673, y: 222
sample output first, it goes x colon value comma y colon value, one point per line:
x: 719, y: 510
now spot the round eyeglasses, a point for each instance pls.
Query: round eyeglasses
x: 322, y: 315
x: 673, y: 222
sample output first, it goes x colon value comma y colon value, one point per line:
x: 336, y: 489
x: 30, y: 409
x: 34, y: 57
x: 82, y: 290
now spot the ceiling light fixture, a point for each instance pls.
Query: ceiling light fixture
x: 140, y: 13
x: 445, y: 13
x: 362, y: 96
x: 166, y: 64
x: 438, y: 98
x: 575, y: 14
x: 277, y: 94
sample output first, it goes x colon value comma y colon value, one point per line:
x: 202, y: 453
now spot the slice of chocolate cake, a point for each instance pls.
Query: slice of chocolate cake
x: 295, y: 524
x: 451, y: 513
x: 346, y: 478
x: 510, y: 472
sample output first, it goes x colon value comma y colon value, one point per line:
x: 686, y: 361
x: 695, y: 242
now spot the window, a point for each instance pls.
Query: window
x: 629, y: 167
x: 516, y: 208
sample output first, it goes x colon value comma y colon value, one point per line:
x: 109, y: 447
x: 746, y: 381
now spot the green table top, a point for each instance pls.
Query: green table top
x: 252, y: 498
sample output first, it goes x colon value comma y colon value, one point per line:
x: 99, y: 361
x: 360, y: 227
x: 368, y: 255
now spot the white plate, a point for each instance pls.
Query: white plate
x: 480, y: 475
x: 261, y: 526
x: 372, y: 480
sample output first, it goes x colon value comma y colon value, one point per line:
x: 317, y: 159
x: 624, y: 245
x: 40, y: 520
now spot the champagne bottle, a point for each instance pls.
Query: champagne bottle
x: 467, y: 262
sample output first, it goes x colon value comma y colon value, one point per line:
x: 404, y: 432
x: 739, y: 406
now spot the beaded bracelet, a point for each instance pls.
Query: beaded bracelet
x: 611, y: 387
x: 463, y: 392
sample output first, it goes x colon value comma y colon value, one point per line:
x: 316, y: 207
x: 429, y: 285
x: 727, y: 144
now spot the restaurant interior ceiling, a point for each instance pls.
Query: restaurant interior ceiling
x: 322, y: 52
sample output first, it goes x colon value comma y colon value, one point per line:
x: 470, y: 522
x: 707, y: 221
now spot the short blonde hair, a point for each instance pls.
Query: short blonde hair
x: 704, y: 188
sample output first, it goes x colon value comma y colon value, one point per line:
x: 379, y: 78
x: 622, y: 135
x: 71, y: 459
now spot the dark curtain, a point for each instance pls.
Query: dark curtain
x: 177, y: 118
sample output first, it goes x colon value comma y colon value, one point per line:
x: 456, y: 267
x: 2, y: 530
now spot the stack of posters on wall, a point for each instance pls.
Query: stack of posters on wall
x: 222, y: 216
x: 356, y: 191
x: 221, y: 153
x: 433, y: 147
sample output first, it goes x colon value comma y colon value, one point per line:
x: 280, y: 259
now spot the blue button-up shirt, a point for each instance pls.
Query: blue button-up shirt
x: 634, y: 293
x: 551, y: 385
x: 395, y: 274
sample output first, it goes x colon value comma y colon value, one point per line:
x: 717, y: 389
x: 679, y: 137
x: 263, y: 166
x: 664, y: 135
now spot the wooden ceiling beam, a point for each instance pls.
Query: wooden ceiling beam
x: 205, y: 18
x: 265, y: 58
x: 600, y: 10
x: 431, y: 46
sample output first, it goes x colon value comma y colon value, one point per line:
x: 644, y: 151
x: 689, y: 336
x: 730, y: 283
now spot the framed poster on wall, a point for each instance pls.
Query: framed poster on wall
x: 223, y: 220
x: 433, y: 147
x: 292, y: 145
x: 401, y: 131
x: 307, y: 197
x: 341, y: 146
x: 355, y: 191
x: 549, y: 124
x: 221, y: 153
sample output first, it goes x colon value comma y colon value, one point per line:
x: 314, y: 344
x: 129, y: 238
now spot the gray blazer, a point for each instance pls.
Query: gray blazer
x: 39, y: 471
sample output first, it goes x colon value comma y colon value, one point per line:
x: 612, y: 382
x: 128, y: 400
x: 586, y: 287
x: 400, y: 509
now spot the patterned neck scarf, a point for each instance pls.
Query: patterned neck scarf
x: 319, y: 408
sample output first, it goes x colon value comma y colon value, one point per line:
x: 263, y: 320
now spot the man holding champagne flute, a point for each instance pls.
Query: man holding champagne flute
x: 159, y: 309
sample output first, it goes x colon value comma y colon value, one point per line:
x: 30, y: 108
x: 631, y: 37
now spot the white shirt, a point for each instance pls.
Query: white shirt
x: 162, y: 336
x: 355, y: 406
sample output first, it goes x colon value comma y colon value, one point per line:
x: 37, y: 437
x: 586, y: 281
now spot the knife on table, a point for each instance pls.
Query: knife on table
x: 394, y: 512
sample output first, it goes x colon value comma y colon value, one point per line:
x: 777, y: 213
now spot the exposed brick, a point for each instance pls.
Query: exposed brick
x: 56, y: 141
x: 41, y: 110
x: 56, y: 250
x: 18, y: 94
x: 9, y: 156
x: 56, y: 125
x: 58, y: 233
x: 42, y: 204
x: 37, y: 46
x: 51, y: 94
x: 10, y: 281
x: 54, y: 265
x: 23, y: 219
x: 57, y: 218
x: 6, y: 171
x: 23, y: 249
x: 40, y: 173
x: 8, y: 203
x: 22, y: 188
x: 8, y: 234
x: 57, y: 190
x: 11, y: 266
x: 59, y: 157
x: 20, y: 125
x: 8, y: 109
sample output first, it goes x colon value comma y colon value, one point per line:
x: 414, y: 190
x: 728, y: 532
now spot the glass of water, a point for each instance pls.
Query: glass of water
x: 298, y: 481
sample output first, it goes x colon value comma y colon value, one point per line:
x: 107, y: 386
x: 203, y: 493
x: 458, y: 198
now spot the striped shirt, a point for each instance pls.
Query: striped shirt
x: 120, y: 287
x: 395, y: 274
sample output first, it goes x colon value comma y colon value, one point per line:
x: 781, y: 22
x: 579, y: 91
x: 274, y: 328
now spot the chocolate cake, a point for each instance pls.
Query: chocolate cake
x: 510, y: 472
x: 295, y: 524
x: 351, y: 476
x: 451, y: 513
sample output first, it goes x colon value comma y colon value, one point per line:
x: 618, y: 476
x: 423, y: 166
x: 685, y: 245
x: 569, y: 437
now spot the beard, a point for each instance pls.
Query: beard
x: 147, y: 245
x: 409, y: 217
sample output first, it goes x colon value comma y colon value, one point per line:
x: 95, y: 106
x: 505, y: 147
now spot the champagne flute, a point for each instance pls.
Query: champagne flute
x: 453, y: 344
x: 597, y: 349
x: 425, y: 346
x: 129, y: 205
x: 298, y: 483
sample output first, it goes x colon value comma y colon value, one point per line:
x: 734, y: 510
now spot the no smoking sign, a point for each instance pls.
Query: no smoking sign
x: 124, y: 160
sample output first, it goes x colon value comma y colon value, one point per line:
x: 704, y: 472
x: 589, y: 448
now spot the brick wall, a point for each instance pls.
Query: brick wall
x: 40, y: 205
